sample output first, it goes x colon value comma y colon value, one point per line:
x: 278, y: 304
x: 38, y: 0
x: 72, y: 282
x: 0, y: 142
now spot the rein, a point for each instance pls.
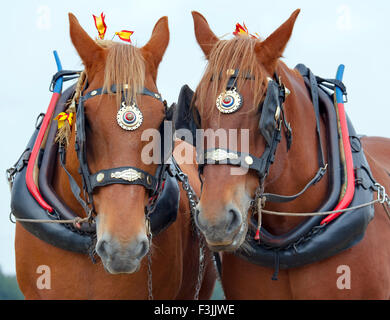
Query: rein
x: 382, y: 198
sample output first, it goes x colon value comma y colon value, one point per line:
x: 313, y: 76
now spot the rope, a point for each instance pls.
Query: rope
x: 303, y: 214
x: 77, y: 221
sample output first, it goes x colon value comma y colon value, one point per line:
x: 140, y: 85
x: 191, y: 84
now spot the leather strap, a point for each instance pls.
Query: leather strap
x: 123, y: 175
x: 73, y: 184
x: 100, y: 91
x: 281, y: 199
x: 90, y: 182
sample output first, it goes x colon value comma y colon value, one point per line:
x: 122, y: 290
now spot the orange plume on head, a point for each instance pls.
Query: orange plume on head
x: 100, y: 25
x: 124, y: 35
x: 243, y: 31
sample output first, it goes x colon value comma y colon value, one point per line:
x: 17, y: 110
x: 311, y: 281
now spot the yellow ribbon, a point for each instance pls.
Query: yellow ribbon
x: 100, y: 25
x: 124, y: 35
x: 62, y: 117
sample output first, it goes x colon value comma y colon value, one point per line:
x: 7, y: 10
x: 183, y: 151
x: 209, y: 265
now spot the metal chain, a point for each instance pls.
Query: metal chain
x: 201, y: 266
x: 193, y: 202
x: 192, y: 197
x: 150, y: 274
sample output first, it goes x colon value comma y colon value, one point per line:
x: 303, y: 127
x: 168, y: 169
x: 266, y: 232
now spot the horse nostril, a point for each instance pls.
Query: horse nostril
x: 235, y: 220
x: 102, y: 248
x: 143, y: 248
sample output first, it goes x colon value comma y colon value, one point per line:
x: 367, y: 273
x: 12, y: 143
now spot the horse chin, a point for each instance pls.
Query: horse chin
x: 230, y: 245
x: 129, y: 268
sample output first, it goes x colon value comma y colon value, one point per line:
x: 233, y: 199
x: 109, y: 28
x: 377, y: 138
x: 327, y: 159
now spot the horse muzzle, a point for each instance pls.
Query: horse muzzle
x: 227, y: 232
x: 122, y: 257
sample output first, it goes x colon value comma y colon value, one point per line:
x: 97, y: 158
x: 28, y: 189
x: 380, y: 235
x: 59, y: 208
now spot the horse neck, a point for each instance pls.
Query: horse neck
x: 61, y: 180
x: 292, y: 170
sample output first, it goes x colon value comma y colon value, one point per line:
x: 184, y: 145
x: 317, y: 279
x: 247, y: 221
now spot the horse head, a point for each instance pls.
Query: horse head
x: 237, y: 91
x: 114, y: 138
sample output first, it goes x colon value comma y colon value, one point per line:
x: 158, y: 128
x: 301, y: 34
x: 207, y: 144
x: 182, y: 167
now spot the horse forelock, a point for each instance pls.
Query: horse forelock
x: 237, y: 53
x: 124, y: 66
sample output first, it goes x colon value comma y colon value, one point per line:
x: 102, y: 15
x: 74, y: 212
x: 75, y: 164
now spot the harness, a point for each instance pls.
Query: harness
x: 41, y: 211
x: 315, y: 238
x: 272, y: 120
x: 44, y: 214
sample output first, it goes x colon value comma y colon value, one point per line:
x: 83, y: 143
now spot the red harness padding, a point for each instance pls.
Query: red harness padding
x: 350, y: 191
x: 32, y: 187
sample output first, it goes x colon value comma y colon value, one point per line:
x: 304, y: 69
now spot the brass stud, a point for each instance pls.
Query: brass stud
x: 149, y: 180
x: 248, y: 160
x: 230, y: 72
x: 100, y: 177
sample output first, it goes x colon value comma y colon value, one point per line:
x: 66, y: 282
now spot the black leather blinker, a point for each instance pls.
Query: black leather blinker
x: 268, y: 123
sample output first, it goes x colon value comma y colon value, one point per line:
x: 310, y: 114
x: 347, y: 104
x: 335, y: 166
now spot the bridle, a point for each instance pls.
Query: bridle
x: 272, y: 119
x: 120, y: 175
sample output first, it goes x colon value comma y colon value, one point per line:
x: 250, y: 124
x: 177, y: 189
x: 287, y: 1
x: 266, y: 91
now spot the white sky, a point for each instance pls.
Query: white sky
x: 326, y: 34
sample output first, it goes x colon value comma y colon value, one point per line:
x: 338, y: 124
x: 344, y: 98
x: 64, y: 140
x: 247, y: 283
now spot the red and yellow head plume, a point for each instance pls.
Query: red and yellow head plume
x: 243, y: 31
x: 100, y: 25
x: 65, y: 120
x: 124, y: 35
x: 63, y: 117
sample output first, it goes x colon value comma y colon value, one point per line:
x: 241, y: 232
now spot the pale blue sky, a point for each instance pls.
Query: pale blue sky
x: 327, y: 33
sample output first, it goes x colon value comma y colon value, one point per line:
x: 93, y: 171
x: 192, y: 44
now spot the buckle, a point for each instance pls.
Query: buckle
x: 345, y: 97
x: 321, y: 172
x: 382, y: 196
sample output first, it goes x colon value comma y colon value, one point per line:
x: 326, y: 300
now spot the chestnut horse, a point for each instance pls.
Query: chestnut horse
x: 122, y: 271
x: 223, y: 214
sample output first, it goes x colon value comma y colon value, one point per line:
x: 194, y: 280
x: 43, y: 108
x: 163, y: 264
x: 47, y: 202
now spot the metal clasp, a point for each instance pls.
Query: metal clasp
x: 382, y: 196
x: 345, y: 98
x: 9, y: 174
x: 39, y: 120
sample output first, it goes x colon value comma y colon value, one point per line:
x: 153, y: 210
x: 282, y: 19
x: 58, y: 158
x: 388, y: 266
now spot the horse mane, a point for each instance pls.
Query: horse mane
x: 237, y: 53
x: 124, y: 65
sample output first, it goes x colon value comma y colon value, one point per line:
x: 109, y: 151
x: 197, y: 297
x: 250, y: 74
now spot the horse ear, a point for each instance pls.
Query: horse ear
x: 88, y: 50
x: 154, y: 50
x: 205, y: 37
x: 271, y: 49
